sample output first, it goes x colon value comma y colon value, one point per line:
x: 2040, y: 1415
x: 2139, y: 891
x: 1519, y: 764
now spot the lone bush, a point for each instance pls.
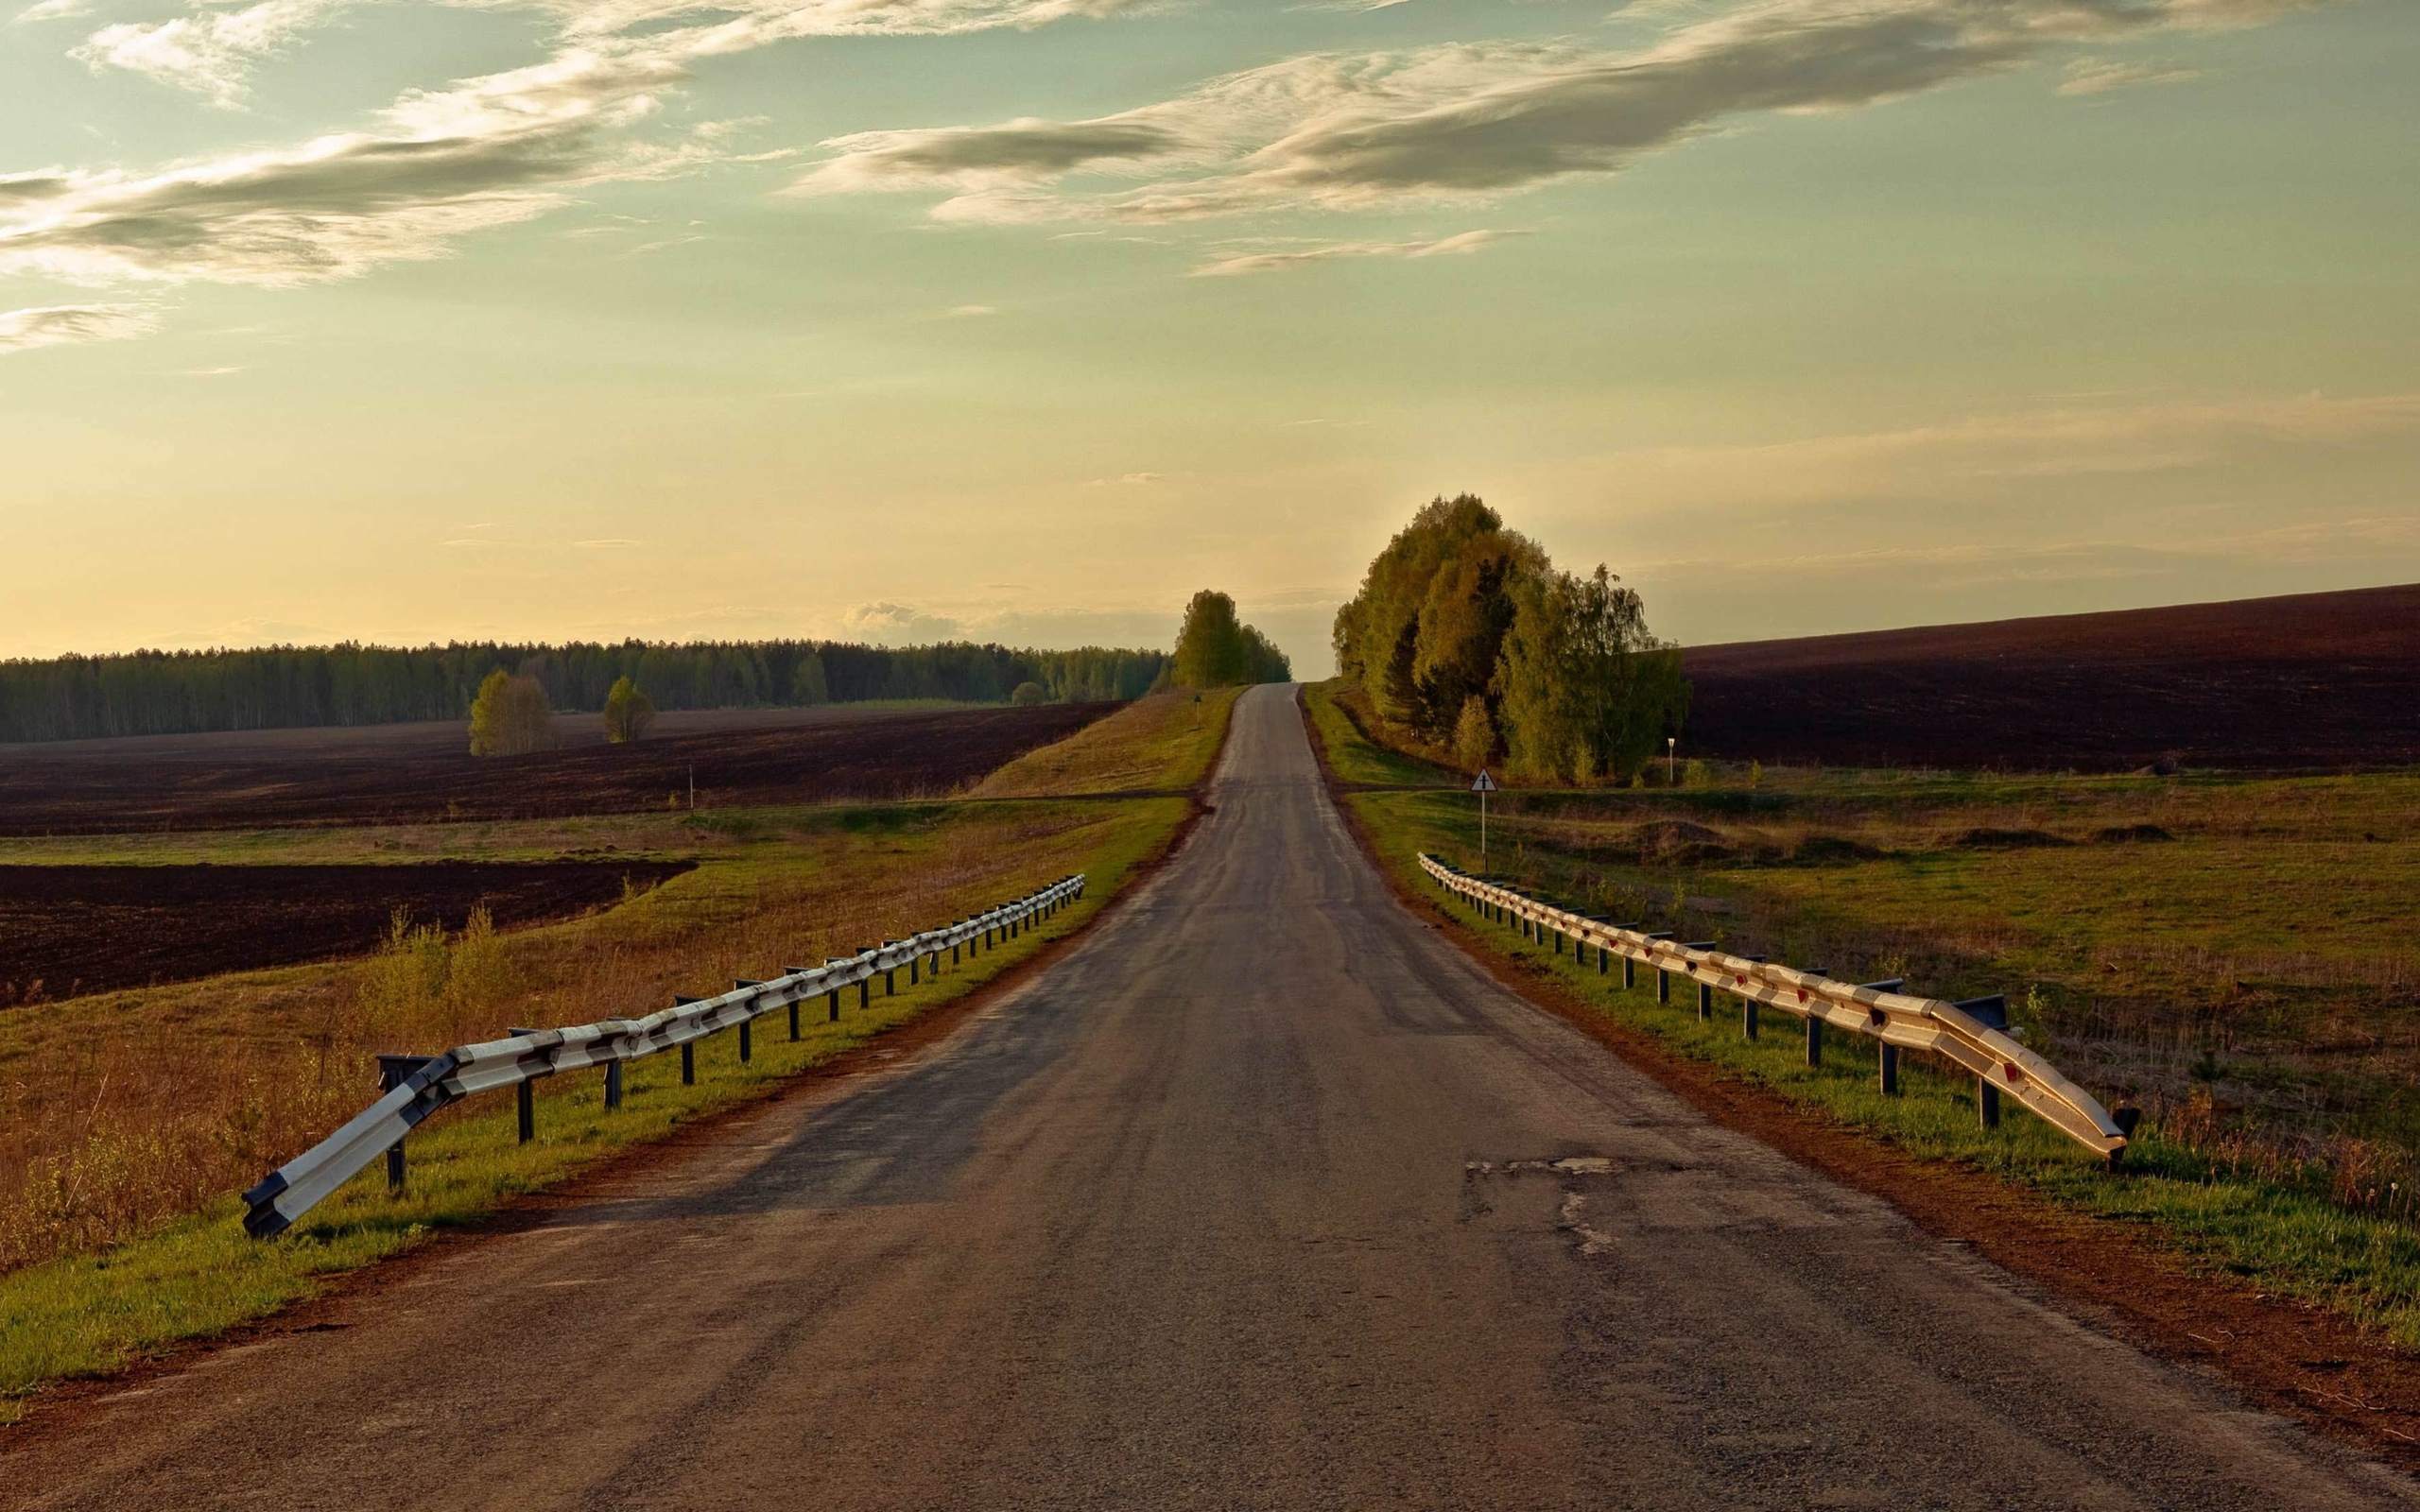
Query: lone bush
x: 1474, y: 734
x: 1028, y: 695
x: 629, y: 715
x: 511, y: 715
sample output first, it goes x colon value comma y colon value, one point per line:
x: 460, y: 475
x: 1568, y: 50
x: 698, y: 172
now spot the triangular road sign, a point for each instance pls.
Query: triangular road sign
x: 1485, y: 782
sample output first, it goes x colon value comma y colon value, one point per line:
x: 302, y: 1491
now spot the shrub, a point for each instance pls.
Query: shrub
x: 629, y: 715
x: 1028, y: 695
x: 511, y: 715
x: 1474, y: 734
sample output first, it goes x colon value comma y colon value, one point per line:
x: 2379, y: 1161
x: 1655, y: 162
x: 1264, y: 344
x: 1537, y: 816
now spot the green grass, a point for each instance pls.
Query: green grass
x: 762, y: 873
x: 1164, y: 742
x: 1353, y: 757
x: 2219, y: 1214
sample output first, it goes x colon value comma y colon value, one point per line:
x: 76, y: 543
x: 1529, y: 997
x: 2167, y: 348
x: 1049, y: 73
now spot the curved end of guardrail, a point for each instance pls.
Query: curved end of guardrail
x: 1904, y: 1020
x: 294, y: 1188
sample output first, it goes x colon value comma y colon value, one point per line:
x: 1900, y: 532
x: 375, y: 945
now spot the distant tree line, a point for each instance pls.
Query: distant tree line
x: 1471, y: 644
x: 1214, y: 649
x: 165, y: 692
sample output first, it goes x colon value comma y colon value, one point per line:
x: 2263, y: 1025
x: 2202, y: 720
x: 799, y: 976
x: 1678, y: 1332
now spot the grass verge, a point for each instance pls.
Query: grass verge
x: 768, y: 886
x: 2284, y: 1240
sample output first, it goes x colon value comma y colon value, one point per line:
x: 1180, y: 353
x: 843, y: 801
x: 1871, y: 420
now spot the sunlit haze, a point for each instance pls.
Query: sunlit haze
x: 1022, y: 319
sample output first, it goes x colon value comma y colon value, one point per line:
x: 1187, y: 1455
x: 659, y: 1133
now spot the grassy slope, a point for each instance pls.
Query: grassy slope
x: 767, y: 885
x: 2291, y: 1242
x: 1159, y: 744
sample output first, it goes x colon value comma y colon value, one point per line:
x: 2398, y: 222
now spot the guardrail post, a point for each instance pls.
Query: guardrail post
x: 689, y: 1063
x: 393, y: 1071
x: 834, y: 1017
x: 915, y: 965
x: 1814, y: 1040
x: 1748, y: 1007
x: 745, y: 1024
x: 1987, y: 1102
x: 613, y: 1084
x: 525, y: 1100
x: 1890, y: 1071
x: 1629, y: 973
x: 1663, y: 986
x: 793, y: 1020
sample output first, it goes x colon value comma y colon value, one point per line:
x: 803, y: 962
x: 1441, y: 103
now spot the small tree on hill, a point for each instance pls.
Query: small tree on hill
x: 1028, y: 695
x: 629, y: 715
x: 511, y: 715
x: 1214, y: 649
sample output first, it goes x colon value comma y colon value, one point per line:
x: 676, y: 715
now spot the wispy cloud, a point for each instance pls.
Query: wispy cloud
x: 209, y: 52
x: 1471, y: 121
x: 434, y: 167
x: 2057, y: 442
x: 54, y: 9
x: 53, y: 325
x: 1280, y: 261
x: 2099, y: 76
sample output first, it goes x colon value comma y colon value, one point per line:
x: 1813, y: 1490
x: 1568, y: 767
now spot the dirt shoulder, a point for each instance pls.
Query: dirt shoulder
x: 2296, y: 1360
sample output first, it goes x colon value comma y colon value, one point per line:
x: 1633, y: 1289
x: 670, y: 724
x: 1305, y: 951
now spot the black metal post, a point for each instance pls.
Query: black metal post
x: 689, y: 1063
x: 1629, y: 973
x: 1890, y: 1071
x: 745, y: 1024
x: 524, y: 1102
x: 915, y: 965
x: 1814, y: 1040
x: 1663, y: 986
x: 1705, y: 1001
x: 613, y: 1084
x: 793, y: 1019
x: 1748, y: 1007
x: 835, y: 1016
x: 1987, y: 1102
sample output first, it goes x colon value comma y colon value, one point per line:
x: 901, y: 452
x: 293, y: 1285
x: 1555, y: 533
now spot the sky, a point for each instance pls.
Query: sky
x: 1022, y: 319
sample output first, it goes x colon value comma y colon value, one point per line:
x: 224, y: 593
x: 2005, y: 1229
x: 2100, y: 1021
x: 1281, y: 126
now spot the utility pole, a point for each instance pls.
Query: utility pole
x: 1483, y: 786
x: 693, y: 787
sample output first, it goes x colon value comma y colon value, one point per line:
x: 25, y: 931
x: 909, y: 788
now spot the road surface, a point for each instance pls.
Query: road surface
x: 1264, y: 1197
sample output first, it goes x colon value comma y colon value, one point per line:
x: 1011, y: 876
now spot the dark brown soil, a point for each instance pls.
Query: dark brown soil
x: 426, y: 773
x: 2311, y: 681
x: 71, y: 930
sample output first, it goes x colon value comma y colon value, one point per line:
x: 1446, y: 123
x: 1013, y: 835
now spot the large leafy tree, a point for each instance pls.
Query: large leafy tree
x: 1465, y: 634
x: 1214, y: 649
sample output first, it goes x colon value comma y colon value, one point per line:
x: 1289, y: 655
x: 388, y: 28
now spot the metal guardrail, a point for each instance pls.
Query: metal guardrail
x: 1972, y: 1034
x: 417, y: 1085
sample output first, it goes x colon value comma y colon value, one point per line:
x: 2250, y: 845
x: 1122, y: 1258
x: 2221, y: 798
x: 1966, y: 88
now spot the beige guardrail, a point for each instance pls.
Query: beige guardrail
x: 1960, y: 1033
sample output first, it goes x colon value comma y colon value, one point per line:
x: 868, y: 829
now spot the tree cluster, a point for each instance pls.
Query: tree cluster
x: 1465, y: 636
x: 1214, y: 649
x: 164, y: 692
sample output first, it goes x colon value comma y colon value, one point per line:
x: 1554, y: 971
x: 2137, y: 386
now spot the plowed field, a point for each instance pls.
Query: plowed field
x: 2310, y: 680
x: 65, y: 931
x: 421, y: 773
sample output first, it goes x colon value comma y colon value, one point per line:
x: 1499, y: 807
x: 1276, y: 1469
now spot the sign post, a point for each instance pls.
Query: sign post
x: 1482, y: 786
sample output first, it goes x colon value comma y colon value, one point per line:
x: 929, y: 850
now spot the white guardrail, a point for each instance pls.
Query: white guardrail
x: 418, y: 1086
x: 1973, y: 1035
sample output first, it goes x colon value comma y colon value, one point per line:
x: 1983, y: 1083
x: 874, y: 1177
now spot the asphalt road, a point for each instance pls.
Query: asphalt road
x: 1263, y: 1197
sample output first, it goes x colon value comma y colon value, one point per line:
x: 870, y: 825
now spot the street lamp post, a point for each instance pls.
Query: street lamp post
x: 1671, y: 761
